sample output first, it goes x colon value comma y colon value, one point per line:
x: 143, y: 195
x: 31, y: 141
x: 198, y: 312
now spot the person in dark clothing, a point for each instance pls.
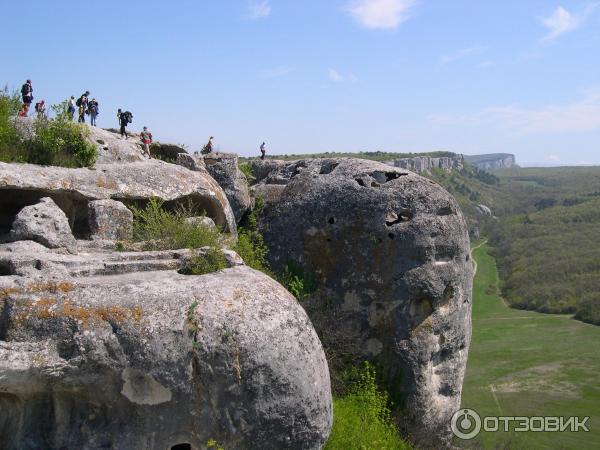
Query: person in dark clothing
x: 93, y: 111
x: 263, y: 150
x: 82, y: 103
x: 125, y: 118
x: 27, y: 94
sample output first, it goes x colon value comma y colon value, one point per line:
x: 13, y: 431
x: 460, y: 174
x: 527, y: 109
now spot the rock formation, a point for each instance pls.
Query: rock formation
x: 132, y: 359
x: 390, y: 254
x: 223, y: 167
x: 421, y: 164
x: 130, y: 183
x: 491, y: 161
x: 116, y: 349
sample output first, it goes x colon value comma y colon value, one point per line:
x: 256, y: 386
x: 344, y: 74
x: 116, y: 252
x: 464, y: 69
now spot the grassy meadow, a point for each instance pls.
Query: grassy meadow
x: 525, y: 363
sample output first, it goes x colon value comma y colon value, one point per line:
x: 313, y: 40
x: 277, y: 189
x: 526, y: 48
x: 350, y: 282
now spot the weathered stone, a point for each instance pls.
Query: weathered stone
x: 45, y: 223
x: 156, y: 359
x: 130, y: 183
x: 390, y: 254
x: 191, y: 162
x: 110, y: 220
x: 484, y: 210
x: 201, y: 221
x: 223, y: 167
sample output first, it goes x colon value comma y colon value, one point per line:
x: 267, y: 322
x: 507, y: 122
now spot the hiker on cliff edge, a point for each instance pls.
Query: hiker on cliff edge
x: 146, y: 138
x: 82, y: 104
x: 208, y: 148
x: 71, y: 108
x: 125, y: 118
x: 27, y: 94
x: 263, y: 150
x: 40, y: 109
x: 93, y: 111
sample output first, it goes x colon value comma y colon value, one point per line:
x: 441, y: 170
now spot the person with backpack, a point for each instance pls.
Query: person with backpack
x: 93, y: 111
x: 40, y: 109
x: 125, y: 118
x: 27, y: 94
x: 82, y: 103
x: 263, y: 150
x: 208, y: 148
x: 71, y: 108
x: 146, y: 138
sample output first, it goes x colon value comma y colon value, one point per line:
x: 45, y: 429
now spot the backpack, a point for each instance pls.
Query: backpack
x: 78, y: 102
x: 128, y: 116
x: 25, y: 89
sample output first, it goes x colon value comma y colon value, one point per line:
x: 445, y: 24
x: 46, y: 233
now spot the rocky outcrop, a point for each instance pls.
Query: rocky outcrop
x: 484, y: 210
x: 390, y: 254
x: 110, y: 220
x: 45, y: 223
x: 117, y: 350
x: 114, y: 149
x: 421, y: 164
x: 223, y: 167
x: 491, y: 161
x: 130, y: 183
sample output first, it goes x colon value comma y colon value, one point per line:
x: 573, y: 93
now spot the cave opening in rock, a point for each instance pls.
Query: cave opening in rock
x: 74, y: 205
x: 184, y: 446
x: 5, y: 269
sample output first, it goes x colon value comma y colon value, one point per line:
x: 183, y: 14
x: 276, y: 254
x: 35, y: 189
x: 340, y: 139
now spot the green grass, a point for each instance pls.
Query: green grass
x: 162, y: 229
x: 362, y: 419
x: 524, y: 363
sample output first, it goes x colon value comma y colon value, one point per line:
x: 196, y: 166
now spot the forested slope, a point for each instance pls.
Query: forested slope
x: 550, y: 260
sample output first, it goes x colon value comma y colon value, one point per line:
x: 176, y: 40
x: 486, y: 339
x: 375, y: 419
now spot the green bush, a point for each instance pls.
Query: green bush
x: 57, y: 142
x: 362, y: 419
x: 246, y: 169
x: 164, y: 230
x: 296, y: 280
x: 61, y: 143
x: 212, y: 261
x: 251, y: 245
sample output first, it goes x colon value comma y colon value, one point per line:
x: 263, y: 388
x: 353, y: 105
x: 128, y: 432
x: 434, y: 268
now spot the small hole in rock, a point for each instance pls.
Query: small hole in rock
x: 331, y: 220
x: 100, y: 141
x: 391, y: 236
x: 445, y: 211
x: 329, y: 240
x: 360, y: 182
x: 181, y: 447
x: 38, y: 265
x: 5, y: 269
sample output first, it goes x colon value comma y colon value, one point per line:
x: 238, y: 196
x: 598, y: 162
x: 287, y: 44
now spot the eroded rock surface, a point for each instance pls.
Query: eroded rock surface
x: 150, y: 360
x: 45, y: 223
x: 129, y: 183
x: 390, y: 254
x: 110, y: 220
x: 223, y: 167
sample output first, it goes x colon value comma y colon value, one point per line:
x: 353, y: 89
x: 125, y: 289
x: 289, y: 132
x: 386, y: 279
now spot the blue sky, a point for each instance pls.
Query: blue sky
x: 326, y: 75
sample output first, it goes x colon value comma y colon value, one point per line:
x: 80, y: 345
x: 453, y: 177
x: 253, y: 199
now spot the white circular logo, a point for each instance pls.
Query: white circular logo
x: 466, y: 424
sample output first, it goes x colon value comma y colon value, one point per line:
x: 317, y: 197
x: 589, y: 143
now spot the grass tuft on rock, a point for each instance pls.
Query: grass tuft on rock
x: 212, y: 261
x: 162, y: 229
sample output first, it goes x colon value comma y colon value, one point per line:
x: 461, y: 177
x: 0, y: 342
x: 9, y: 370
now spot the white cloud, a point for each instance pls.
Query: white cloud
x: 553, y: 158
x: 385, y: 14
x: 258, y: 9
x: 461, y: 54
x: 276, y: 72
x: 562, y: 21
x: 487, y: 64
x: 576, y: 117
x: 336, y: 76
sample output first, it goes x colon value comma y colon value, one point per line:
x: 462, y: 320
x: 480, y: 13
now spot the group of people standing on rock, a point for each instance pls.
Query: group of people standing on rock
x: 83, y: 105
